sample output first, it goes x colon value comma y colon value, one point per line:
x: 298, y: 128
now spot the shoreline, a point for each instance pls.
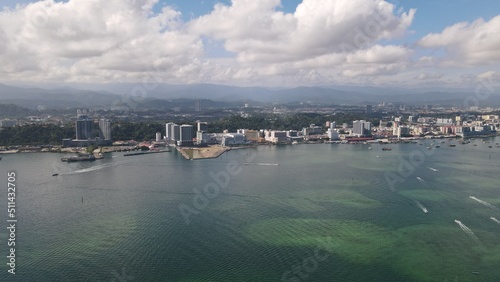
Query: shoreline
x: 215, y: 151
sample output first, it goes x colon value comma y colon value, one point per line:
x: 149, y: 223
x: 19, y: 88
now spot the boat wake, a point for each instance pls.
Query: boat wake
x: 260, y: 164
x: 467, y: 230
x: 484, y: 203
x: 495, y: 220
x: 424, y: 209
x: 433, y: 169
x: 93, y: 168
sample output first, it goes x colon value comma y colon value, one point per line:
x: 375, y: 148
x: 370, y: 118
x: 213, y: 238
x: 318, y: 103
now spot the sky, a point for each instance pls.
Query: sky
x: 273, y: 43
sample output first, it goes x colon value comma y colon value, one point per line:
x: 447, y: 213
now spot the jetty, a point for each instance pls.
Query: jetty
x: 196, y: 153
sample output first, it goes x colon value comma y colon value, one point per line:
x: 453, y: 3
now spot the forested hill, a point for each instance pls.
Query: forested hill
x: 14, y: 111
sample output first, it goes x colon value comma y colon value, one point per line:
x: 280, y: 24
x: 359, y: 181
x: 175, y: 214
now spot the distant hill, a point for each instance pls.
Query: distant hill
x: 211, y: 95
x: 14, y: 111
x: 54, y: 98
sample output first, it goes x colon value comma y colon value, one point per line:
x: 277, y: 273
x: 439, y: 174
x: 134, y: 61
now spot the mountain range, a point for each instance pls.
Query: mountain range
x: 211, y: 95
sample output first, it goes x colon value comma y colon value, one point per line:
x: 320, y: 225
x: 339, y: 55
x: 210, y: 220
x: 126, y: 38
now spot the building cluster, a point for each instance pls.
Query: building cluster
x: 361, y: 130
x: 463, y: 126
x: 90, y: 132
x: 180, y: 135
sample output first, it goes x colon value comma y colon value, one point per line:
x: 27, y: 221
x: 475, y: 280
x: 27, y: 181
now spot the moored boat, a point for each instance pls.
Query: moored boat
x: 70, y: 159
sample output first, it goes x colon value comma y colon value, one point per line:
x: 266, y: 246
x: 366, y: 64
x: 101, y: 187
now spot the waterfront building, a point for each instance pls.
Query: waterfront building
x: 105, y: 129
x: 84, y: 128
x: 201, y: 138
x: 172, y: 132
x: 250, y: 135
x: 276, y: 137
x: 185, y: 135
x: 158, y: 136
x: 469, y: 131
x: 361, y: 128
x: 169, y: 132
x: 401, y: 131
x: 333, y: 134
x: 233, y: 139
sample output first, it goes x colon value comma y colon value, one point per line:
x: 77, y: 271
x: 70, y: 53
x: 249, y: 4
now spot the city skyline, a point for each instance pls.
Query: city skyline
x: 250, y: 43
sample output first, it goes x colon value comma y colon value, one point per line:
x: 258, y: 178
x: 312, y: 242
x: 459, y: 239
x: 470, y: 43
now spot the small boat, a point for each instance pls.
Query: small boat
x: 386, y: 149
x: 55, y: 174
x: 452, y: 145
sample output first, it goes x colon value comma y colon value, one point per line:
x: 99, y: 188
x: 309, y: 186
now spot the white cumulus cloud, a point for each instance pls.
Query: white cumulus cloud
x: 467, y: 44
x: 322, y: 41
x: 82, y: 40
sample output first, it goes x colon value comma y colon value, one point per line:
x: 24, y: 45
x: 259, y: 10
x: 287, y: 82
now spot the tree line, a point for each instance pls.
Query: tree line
x: 49, y: 134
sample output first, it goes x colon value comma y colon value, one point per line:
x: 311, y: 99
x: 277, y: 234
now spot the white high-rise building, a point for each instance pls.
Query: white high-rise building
x: 333, y: 134
x: 361, y: 128
x: 172, y: 132
x: 105, y: 128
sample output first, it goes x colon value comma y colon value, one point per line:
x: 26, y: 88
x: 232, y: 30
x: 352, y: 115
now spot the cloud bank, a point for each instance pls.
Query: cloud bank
x: 321, y: 42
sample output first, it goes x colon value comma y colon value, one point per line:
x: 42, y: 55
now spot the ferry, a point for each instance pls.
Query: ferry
x: 78, y: 158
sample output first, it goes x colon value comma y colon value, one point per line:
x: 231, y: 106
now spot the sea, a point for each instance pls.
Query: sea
x: 423, y: 211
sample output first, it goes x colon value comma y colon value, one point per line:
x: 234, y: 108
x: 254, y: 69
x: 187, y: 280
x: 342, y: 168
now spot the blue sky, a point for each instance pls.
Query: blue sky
x: 422, y: 44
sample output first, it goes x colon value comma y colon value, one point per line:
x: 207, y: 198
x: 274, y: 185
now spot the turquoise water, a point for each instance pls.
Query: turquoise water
x: 326, y: 213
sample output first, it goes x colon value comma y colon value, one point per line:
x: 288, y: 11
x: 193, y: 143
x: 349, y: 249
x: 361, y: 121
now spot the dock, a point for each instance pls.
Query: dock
x: 211, y: 152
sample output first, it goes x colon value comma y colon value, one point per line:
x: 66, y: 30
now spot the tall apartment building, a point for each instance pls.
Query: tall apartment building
x: 105, y: 129
x: 361, y: 128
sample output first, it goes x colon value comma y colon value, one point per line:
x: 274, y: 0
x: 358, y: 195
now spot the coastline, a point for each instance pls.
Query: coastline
x: 214, y: 151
